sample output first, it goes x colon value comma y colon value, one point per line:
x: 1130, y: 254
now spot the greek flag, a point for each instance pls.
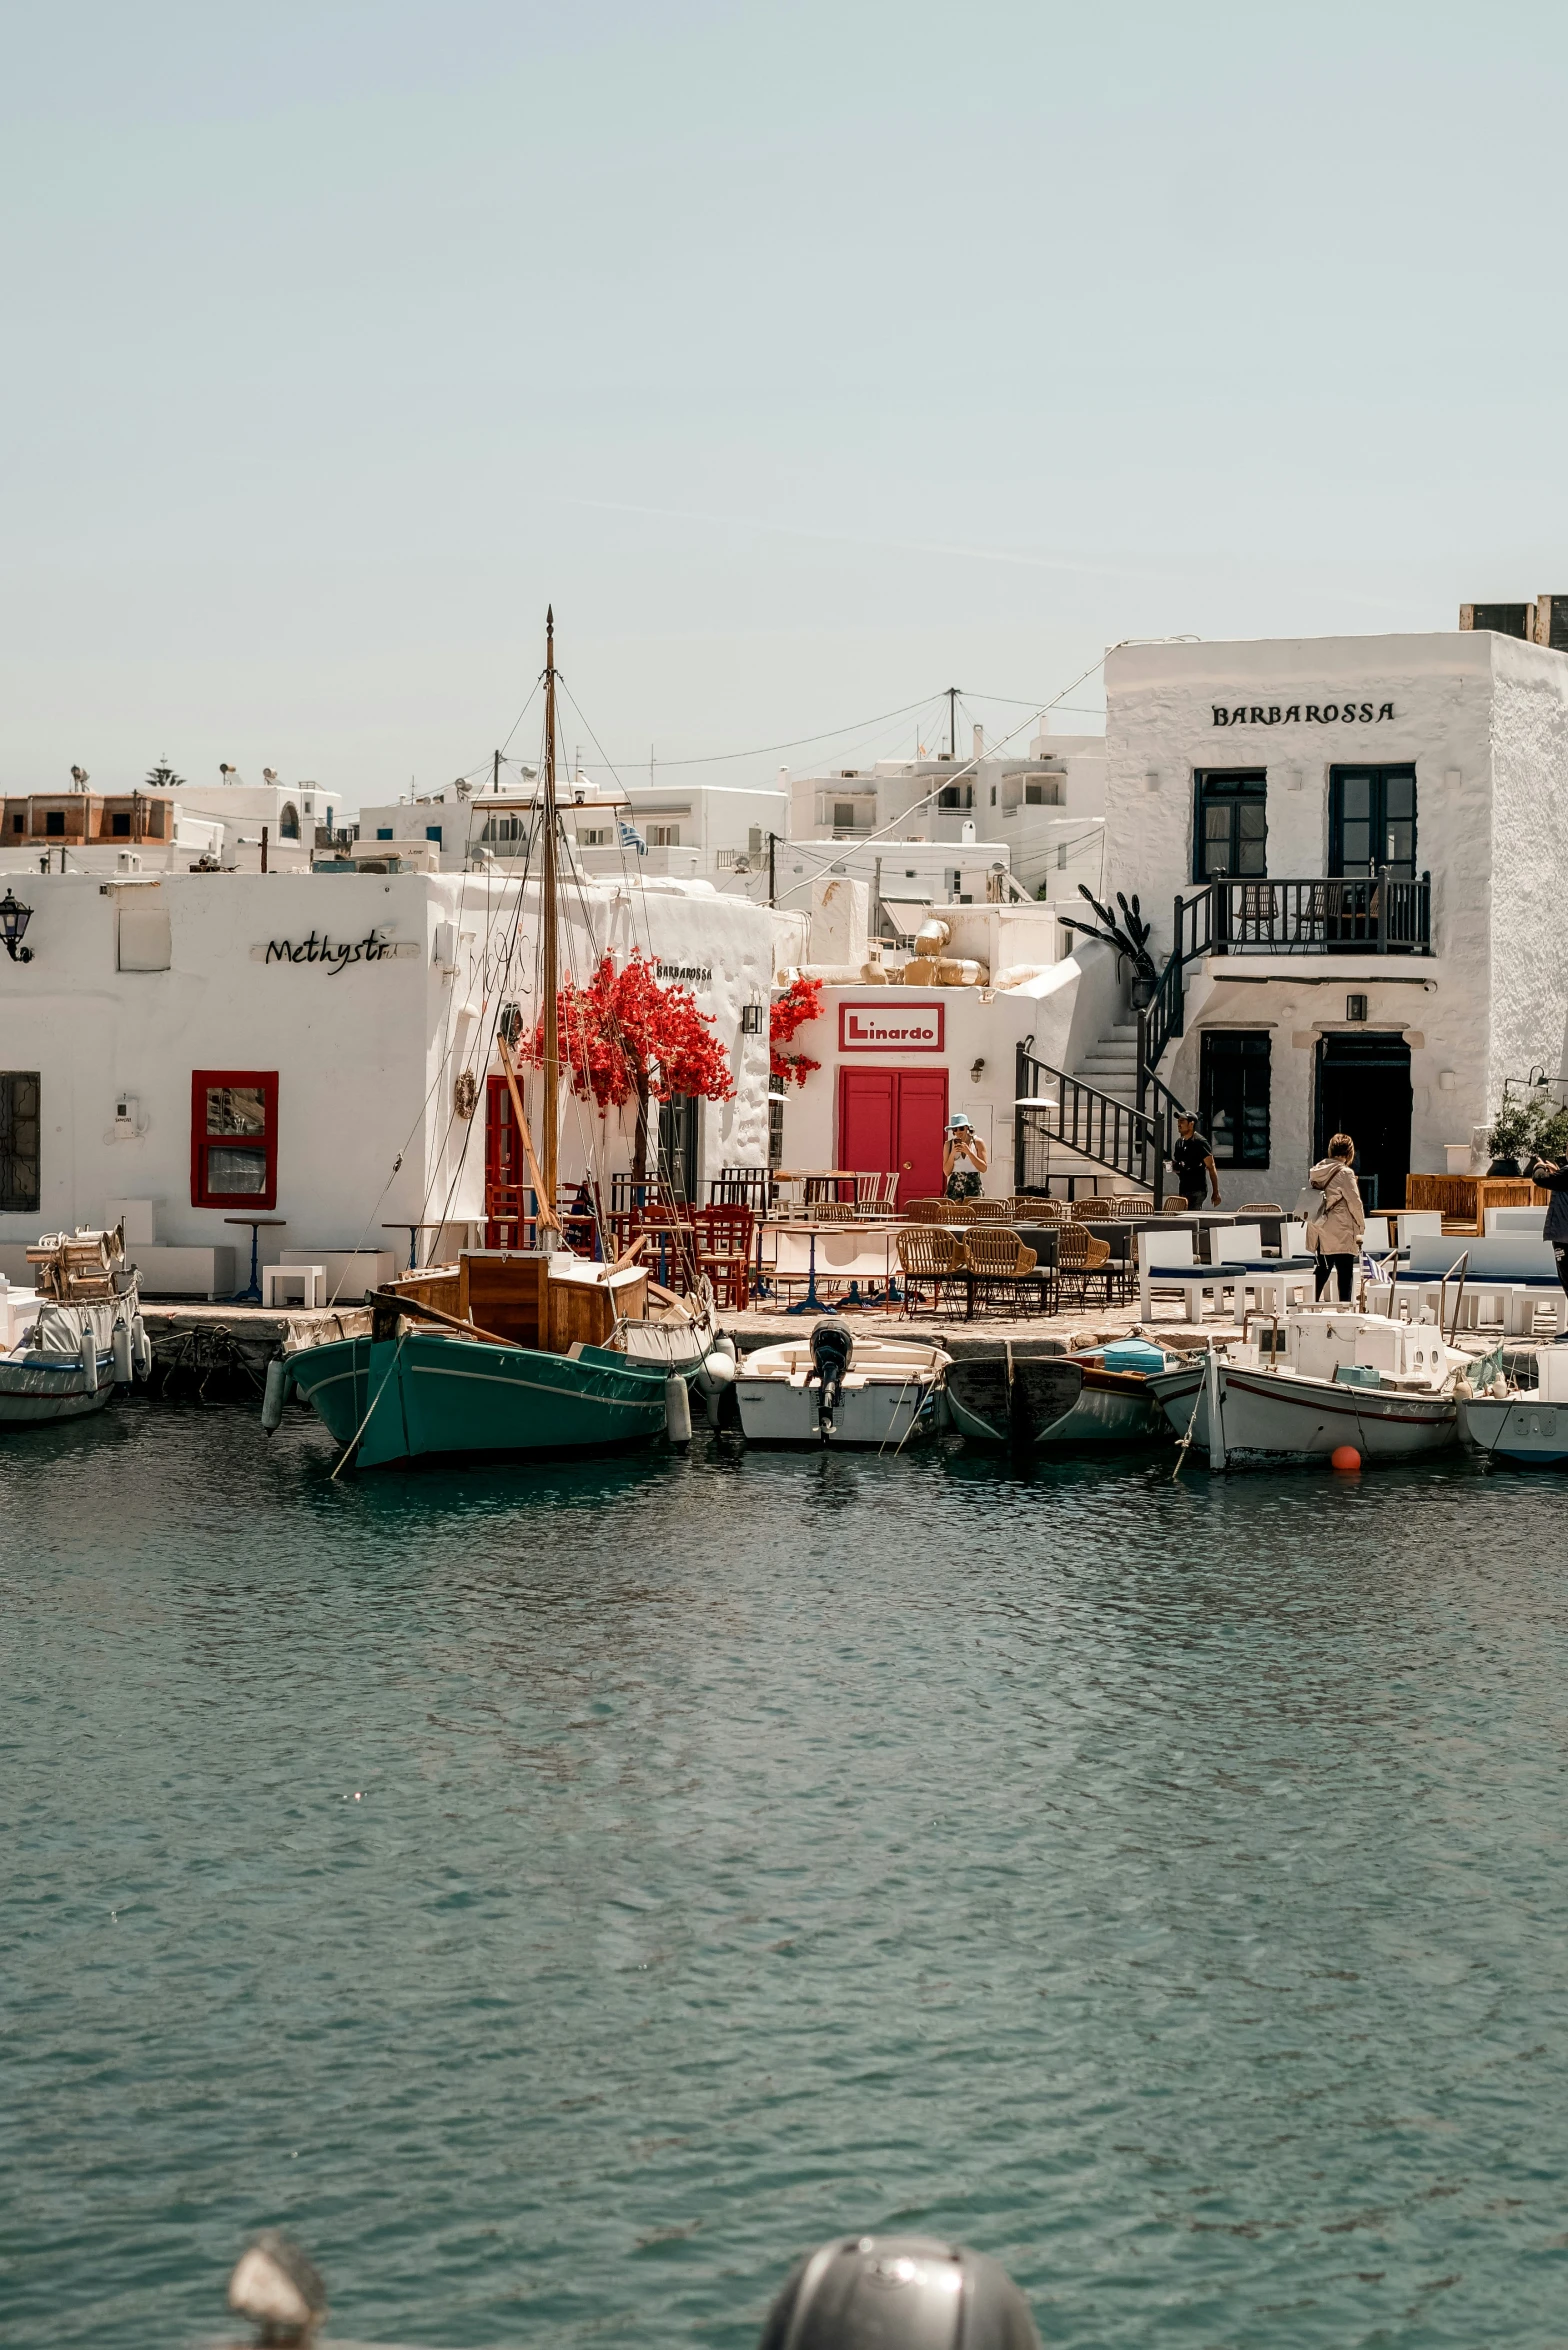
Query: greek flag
x: 631, y: 838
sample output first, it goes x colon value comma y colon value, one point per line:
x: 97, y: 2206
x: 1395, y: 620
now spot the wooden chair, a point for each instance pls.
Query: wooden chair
x: 888, y: 1196
x: 1079, y: 1257
x: 723, y: 1237
x: 998, y: 1259
x: 671, y: 1254
x: 929, y: 1258
x: 742, y: 1187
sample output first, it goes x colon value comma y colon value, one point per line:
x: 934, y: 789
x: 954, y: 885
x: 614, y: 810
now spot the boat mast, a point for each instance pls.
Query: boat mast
x: 551, y: 1060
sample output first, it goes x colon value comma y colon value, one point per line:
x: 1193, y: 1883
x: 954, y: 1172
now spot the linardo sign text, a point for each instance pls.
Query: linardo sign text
x: 1302, y: 714
x: 891, y: 1028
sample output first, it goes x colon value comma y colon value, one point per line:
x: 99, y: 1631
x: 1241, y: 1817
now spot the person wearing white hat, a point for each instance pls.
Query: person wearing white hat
x: 961, y: 1144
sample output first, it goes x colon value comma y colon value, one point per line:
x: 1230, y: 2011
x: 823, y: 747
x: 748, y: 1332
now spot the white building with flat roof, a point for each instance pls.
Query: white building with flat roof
x: 662, y: 831
x: 1352, y: 850
x: 223, y: 1047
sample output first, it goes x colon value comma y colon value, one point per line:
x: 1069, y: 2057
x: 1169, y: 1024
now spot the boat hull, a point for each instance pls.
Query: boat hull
x: 1050, y: 1400
x: 881, y: 1412
x: 1268, y: 1416
x: 35, y: 1389
x: 424, y: 1396
x: 1516, y: 1428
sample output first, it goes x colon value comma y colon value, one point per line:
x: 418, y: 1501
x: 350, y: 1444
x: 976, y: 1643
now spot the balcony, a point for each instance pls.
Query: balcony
x: 1370, y: 914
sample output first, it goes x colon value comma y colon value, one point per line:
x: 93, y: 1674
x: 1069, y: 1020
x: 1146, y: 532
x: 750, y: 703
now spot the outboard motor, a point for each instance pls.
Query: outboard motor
x: 899, y: 2293
x: 832, y: 1352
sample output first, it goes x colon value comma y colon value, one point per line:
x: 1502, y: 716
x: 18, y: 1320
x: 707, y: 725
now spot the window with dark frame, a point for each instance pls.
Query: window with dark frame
x: 19, y: 1139
x: 1372, y: 821
x: 1230, y: 824
x: 1233, y: 1095
x: 234, y: 1138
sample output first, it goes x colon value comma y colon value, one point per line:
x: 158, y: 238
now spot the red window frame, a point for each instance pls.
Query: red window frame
x: 266, y: 1083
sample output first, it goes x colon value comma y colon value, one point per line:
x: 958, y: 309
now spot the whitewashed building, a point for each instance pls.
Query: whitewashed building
x: 658, y: 831
x: 227, y: 1046
x: 1358, y: 843
x: 960, y: 831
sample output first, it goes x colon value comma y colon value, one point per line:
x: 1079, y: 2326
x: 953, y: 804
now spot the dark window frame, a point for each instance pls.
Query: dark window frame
x: 1223, y: 1090
x: 203, y: 1194
x: 1209, y: 790
x: 1402, y: 770
x: 18, y: 1197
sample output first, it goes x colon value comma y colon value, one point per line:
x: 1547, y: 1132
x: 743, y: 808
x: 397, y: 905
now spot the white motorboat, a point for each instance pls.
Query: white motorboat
x: 1513, y: 1422
x: 72, y: 1338
x: 836, y: 1387
x: 1384, y: 1388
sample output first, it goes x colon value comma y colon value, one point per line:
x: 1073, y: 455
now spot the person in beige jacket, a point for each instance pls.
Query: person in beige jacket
x: 1335, y: 1231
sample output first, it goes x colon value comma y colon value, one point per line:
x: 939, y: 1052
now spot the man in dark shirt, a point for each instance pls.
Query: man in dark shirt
x: 1554, y: 1179
x: 1193, y: 1161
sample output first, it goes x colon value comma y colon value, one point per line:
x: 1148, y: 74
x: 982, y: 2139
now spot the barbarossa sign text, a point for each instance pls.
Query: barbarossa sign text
x: 890, y: 1028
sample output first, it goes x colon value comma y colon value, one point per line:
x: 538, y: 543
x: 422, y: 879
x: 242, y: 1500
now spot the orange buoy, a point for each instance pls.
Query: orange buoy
x: 1344, y: 1456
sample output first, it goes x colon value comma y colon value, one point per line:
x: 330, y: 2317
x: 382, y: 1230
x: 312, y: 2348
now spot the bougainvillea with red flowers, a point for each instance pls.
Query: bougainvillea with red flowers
x: 626, y: 1036
x: 800, y: 1002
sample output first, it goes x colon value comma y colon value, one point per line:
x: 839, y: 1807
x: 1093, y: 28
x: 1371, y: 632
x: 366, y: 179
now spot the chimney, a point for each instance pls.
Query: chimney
x: 979, y: 742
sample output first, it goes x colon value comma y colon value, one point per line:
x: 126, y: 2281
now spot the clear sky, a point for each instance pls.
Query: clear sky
x: 810, y: 358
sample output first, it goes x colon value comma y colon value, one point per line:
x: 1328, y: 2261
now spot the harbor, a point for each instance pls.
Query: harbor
x: 556, y: 1898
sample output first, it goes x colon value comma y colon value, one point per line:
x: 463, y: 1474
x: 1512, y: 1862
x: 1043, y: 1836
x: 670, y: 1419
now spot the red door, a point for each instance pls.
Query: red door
x: 894, y: 1118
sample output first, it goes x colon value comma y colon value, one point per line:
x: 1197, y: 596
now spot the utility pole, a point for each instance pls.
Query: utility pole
x: 952, y: 721
x: 773, y: 893
x: 495, y: 772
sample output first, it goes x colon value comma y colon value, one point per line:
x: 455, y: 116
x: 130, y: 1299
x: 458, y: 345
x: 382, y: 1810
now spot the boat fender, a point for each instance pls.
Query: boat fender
x: 276, y: 1395
x: 141, y: 1349
x: 122, y: 1353
x: 715, y: 1371
x: 725, y: 1345
x: 90, y: 1359
x: 677, y: 1411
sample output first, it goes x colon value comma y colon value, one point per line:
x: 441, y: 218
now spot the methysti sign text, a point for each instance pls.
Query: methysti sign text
x: 890, y: 1028
x: 334, y: 955
x: 1302, y: 713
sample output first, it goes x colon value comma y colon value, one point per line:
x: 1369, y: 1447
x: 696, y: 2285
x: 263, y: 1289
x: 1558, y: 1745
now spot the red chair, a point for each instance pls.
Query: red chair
x: 724, y: 1242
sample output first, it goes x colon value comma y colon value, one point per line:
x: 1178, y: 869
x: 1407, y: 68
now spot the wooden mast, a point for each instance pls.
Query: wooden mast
x: 551, y: 1059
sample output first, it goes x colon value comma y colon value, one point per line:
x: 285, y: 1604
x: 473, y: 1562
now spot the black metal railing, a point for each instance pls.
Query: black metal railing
x: 1054, y: 1109
x: 1372, y: 913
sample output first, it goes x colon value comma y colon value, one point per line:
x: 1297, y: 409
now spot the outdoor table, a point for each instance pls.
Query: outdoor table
x: 413, y: 1226
x: 252, y: 1295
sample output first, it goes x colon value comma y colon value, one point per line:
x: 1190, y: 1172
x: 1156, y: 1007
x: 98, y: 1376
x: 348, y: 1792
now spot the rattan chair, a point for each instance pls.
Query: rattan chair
x: 1079, y: 1257
x: 832, y: 1211
x: 1262, y: 1207
x: 928, y: 1211
x: 1133, y: 1203
x: 929, y: 1258
x: 998, y: 1259
x: 1038, y: 1211
x: 990, y: 1211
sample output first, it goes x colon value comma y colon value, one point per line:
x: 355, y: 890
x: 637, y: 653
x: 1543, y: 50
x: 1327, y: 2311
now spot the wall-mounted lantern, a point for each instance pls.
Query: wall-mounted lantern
x: 751, y: 1017
x: 14, y: 918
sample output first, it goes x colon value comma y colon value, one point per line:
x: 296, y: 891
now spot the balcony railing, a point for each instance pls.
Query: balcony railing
x: 1368, y: 914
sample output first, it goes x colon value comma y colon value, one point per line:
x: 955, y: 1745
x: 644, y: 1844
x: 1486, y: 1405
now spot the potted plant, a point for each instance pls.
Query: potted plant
x: 1130, y: 938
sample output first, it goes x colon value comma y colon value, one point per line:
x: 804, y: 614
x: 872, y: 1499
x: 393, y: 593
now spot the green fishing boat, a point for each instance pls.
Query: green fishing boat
x: 432, y: 1393
x: 509, y: 1352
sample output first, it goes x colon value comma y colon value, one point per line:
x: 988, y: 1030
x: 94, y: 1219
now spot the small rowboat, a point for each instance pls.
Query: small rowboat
x: 1011, y: 1399
x: 836, y: 1387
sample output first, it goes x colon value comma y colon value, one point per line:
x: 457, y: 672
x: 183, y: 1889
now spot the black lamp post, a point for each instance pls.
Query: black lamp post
x: 14, y: 918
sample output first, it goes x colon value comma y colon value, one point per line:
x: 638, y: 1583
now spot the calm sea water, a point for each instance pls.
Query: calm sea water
x: 558, y: 1896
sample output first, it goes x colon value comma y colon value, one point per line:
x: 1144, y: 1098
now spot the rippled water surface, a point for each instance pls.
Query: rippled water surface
x: 558, y: 1896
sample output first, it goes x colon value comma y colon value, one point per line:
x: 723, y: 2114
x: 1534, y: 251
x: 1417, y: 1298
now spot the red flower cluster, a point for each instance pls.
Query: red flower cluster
x: 800, y: 1002
x: 625, y: 1036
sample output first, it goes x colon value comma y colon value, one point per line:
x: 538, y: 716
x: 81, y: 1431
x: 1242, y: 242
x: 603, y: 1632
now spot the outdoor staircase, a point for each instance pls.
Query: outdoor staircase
x: 1111, y: 1064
